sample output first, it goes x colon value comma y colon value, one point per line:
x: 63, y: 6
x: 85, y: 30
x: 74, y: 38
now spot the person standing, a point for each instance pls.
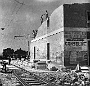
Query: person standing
x: 9, y: 60
x: 41, y: 19
x: 46, y: 14
x: 47, y: 18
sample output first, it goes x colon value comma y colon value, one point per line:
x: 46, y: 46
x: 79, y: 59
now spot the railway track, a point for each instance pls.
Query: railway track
x: 30, y: 79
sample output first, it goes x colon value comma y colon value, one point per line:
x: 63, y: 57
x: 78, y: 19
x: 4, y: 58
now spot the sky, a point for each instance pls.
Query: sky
x: 20, y: 17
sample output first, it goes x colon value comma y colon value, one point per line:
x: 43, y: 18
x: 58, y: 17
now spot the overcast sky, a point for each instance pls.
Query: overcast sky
x: 18, y: 19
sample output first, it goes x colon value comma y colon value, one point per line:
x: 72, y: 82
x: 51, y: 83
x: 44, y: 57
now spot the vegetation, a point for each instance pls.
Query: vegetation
x: 10, y: 53
x: 19, y: 53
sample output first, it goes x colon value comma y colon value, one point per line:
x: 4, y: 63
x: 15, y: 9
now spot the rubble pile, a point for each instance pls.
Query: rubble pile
x: 8, y: 80
x: 65, y: 78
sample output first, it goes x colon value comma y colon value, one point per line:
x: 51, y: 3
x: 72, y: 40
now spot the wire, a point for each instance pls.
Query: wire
x: 19, y: 9
x: 19, y: 2
x: 16, y: 11
x: 12, y: 14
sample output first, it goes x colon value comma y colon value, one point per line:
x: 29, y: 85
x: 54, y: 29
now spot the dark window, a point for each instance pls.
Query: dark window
x: 88, y: 52
x: 88, y: 16
x: 88, y: 24
x: 34, y: 52
x: 48, y: 51
x: 88, y: 35
x: 88, y: 19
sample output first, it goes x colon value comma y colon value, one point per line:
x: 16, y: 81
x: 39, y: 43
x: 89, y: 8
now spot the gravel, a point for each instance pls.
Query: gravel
x: 8, y: 80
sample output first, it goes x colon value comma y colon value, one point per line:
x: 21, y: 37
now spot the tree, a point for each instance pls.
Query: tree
x: 19, y: 53
x: 8, y: 53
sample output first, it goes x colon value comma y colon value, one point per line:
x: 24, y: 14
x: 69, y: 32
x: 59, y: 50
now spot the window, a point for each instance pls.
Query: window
x: 88, y: 19
x: 48, y: 51
x: 34, y: 52
x: 88, y: 35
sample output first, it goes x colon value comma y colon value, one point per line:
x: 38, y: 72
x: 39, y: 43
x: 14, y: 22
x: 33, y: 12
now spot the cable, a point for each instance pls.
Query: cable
x: 16, y: 11
x: 19, y: 2
x: 12, y: 13
x: 19, y: 8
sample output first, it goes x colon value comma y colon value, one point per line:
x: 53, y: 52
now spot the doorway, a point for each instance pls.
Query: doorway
x: 88, y: 51
x: 34, y: 52
x: 48, y: 51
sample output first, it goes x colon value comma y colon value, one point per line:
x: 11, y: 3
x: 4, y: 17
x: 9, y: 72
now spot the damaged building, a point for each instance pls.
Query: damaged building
x: 65, y: 39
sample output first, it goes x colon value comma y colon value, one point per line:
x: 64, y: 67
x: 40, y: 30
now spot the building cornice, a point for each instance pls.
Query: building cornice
x: 48, y: 34
x: 60, y: 30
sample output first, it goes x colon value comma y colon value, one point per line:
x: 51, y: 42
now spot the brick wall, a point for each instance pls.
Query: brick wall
x: 75, y: 15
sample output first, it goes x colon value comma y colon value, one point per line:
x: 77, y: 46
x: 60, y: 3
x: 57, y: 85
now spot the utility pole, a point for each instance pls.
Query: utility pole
x: 28, y: 43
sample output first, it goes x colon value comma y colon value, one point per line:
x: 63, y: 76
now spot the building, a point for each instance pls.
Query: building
x: 67, y: 39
